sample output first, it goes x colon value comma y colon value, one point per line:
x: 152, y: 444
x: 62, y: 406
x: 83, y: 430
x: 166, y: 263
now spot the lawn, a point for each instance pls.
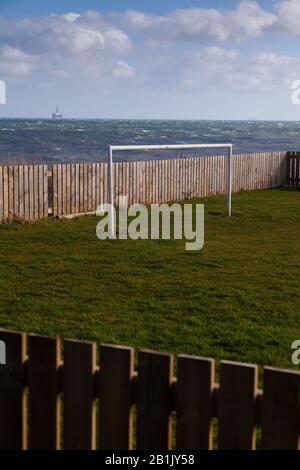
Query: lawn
x: 236, y: 299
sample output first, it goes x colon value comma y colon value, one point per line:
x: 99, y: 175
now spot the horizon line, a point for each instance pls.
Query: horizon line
x: 145, y: 119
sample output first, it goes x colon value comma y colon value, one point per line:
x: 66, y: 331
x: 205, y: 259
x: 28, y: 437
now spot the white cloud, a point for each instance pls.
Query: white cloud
x: 83, y: 39
x: 219, y: 68
x: 117, y: 40
x: 61, y: 44
x: 15, y: 69
x: 96, y: 46
x: 273, y: 59
x: 248, y: 20
x: 64, y: 34
x: 71, y: 17
x: 220, y: 54
x: 13, y: 54
x: 122, y: 70
x: 15, y: 62
x: 288, y: 12
x: 140, y: 21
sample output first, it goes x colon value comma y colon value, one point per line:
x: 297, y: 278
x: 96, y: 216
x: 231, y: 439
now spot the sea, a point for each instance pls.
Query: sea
x: 27, y: 141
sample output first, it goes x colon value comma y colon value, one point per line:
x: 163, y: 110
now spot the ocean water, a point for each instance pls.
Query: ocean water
x: 68, y: 141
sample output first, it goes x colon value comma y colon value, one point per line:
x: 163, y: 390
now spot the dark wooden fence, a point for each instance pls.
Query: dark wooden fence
x: 293, y: 162
x: 31, y: 192
x: 36, y: 380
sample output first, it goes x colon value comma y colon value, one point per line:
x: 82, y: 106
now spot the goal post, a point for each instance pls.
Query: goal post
x: 118, y: 148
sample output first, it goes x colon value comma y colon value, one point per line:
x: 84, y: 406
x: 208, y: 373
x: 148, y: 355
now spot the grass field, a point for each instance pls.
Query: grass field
x: 236, y: 299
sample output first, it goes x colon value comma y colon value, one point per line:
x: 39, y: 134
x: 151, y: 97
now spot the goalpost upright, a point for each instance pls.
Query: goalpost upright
x: 116, y: 148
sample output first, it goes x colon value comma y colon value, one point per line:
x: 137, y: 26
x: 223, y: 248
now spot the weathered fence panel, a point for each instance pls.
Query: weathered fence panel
x: 23, y: 193
x: 159, y: 181
x: 191, y: 402
x: 28, y: 191
x: 78, y: 188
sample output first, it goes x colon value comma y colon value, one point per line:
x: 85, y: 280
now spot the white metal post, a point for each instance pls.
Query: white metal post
x: 229, y: 180
x: 111, y: 211
x: 112, y: 148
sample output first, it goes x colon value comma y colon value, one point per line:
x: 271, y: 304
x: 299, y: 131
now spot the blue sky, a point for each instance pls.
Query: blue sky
x: 188, y: 59
x: 20, y: 8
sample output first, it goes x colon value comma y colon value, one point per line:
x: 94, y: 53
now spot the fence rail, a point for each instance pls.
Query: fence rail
x: 34, y: 383
x: 26, y: 192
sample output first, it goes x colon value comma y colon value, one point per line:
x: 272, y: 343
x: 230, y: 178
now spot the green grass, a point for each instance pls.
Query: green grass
x: 236, y: 299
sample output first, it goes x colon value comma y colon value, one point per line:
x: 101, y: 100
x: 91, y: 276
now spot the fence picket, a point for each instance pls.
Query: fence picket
x: 78, y: 389
x: 236, y: 409
x: 115, y: 397
x: 26, y: 192
x: 10, y: 193
x: 281, y: 413
x: 12, y: 396
x: 153, y: 400
x: 194, y: 399
x: 16, y: 209
x: 44, y: 405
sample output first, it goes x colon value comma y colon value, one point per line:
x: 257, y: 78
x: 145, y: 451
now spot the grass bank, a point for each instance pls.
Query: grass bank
x: 238, y: 298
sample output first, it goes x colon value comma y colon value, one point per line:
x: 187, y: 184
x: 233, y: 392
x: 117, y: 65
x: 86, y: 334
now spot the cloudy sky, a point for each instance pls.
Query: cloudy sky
x: 190, y: 59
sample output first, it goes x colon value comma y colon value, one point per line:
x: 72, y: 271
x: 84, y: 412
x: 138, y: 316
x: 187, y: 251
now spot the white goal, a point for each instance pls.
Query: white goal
x: 116, y: 148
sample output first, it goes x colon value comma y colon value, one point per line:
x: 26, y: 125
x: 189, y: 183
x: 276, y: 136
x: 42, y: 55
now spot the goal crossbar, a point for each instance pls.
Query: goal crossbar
x: 116, y: 148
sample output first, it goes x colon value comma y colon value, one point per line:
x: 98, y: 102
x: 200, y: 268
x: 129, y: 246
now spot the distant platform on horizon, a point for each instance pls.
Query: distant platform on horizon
x: 57, y: 114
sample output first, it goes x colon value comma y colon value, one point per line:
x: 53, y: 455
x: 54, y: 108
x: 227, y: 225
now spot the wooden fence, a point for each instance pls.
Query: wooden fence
x: 34, y: 383
x: 23, y: 193
x: 293, y: 161
x: 26, y: 193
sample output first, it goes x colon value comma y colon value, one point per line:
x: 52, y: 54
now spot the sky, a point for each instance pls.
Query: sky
x: 180, y: 59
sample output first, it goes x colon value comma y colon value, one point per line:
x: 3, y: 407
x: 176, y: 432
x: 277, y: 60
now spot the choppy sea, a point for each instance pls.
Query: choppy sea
x: 40, y: 140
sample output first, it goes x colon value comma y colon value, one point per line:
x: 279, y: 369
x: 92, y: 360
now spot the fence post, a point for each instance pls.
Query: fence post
x: 280, y: 410
x: 236, y: 408
x: 44, y: 404
x: 78, y: 389
x: 115, y: 397
x: 155, y: 372
x: 194, y: 403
